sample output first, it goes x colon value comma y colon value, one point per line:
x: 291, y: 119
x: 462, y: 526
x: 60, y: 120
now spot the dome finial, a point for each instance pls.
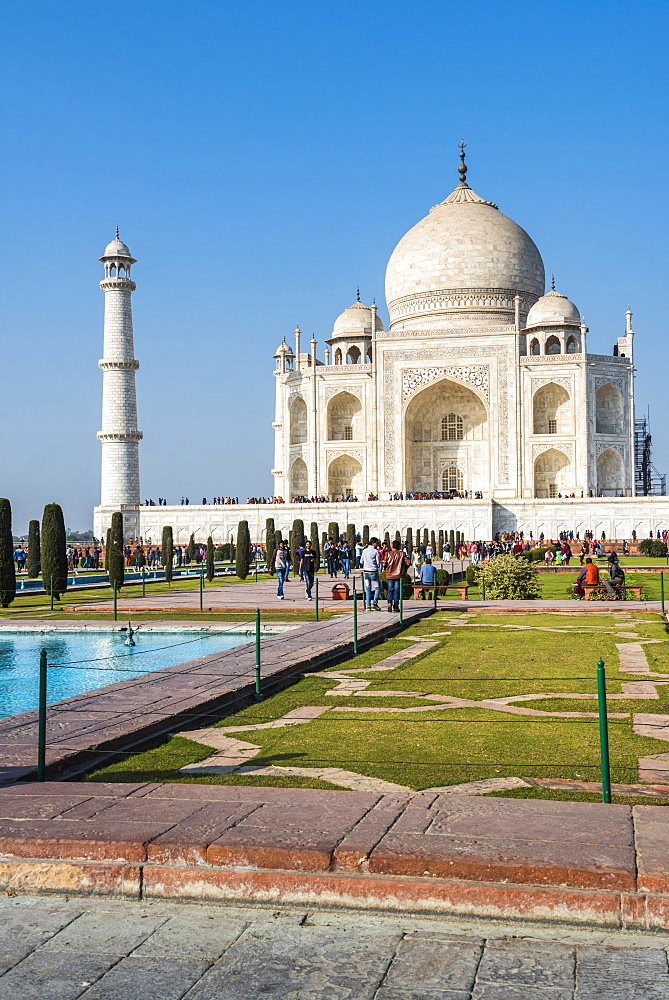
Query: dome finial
x: 117, y: 235
x: 552, y: 282
x: 462, y: 169
x: 357, y: 294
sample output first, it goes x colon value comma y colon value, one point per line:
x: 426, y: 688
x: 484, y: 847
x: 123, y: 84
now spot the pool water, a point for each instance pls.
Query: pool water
x: 82, y: 661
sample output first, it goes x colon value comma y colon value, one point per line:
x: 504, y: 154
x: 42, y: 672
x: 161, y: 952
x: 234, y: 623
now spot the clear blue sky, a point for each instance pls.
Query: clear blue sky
x: 261, y: 160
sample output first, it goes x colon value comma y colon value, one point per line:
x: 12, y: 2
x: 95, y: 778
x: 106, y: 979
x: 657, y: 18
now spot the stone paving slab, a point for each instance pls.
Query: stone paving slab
x: 110, y: 717
x: 584, y: 861
x: 58, y: 949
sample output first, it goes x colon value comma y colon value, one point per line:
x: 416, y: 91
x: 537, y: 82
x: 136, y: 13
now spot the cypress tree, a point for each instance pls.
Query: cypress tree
x: 190, y: 549
x: 418, y: 537
x: 298, y: 533
x: 365, y: 534
x: 458, y: 539
x: 324, y: 538
x: 350, y: 540
x: 210, y: 559
x: 243, y: 555
x: 409, y: 541
x: 315, y: 544
x: 386, y: 538
x: 433, y: 543
x: 398, y: 537
x: 115, y: 560
x: 270, y: 546
x: 451, y: 542
x: 441, y: 543
x: 278, y: 537
x: 54, y: 555
x: 167, y: 551
x: 34, y: 556
x: 425, y: 536
x: 7, y: 567
x: 107, y: 546
x: 333, y: 531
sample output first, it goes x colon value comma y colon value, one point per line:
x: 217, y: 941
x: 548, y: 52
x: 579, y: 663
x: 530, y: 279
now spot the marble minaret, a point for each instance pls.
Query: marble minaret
x: 119, y: 435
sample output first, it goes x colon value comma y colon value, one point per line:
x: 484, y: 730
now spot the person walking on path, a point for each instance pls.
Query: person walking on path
x: 331, y: 557
x: 281, y: 566
x: 308, y: 568
x: 396, y: 566
x: 345, y: 558
x: 371, y: 569
x: 416, y: 561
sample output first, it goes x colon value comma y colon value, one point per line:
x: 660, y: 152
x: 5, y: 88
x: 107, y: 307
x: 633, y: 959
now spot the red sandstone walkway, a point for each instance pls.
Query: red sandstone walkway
x: 250, y: 595
x: 601, y: 864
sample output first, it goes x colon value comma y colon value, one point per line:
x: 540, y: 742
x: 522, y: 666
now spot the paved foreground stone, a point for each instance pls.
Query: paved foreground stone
x: 436, y: 852
x: 59, y: 949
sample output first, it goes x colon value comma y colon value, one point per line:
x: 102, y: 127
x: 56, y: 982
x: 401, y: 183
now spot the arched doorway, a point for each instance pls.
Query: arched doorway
x: 610, y: 477
x: 446, y: 426
x: 345, y: 418
x: 298, y: 421
x: 609, y: 406
x: 552, y: 410
x: 345, y: 477
x: 552, y: 474
x: 298, y: 478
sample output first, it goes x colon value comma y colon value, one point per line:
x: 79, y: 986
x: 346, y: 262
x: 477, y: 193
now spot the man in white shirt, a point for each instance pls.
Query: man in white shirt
x: 371, y: 569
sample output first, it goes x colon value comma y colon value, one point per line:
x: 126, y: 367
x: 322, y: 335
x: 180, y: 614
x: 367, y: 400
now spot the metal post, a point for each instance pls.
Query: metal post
x: 401, y: 602
x: 316, y: 585
x: 115, y: 601
x: 483, y: 584
x: 435, y: 592
x: 355, y: 622
x: 52, y: 591
x: 201, y: 585
x: 662, y: 590
x: 143, y: 582
x: 603, y: 732
x: 258, y: 695
x: 41, y: 718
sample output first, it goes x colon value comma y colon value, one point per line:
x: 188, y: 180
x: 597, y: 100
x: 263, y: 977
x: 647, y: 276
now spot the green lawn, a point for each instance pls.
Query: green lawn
x: 441, y: 746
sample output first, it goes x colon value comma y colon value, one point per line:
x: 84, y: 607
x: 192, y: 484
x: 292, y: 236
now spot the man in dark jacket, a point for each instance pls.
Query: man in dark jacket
x: 616, y: 581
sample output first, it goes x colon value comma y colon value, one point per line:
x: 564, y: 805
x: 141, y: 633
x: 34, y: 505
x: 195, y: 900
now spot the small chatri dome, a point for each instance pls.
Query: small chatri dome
x: 356, y: 321
x: 553, y: 309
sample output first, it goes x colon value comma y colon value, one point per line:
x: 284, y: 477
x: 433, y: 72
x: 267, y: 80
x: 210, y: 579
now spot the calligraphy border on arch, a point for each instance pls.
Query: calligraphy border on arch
x: 477, y: 376
x: 392, y: 393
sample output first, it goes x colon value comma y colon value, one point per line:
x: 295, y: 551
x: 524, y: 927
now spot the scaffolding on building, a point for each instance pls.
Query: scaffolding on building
x: 648, y: 481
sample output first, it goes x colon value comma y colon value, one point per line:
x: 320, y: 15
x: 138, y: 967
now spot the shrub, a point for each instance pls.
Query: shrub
x: 443, y: 577
x: 535, y: 555
x: 409, y: 541
x: 33, y: 563
x: 270, y: 542
x: 451, y: 542
x: 333, y: 531
x: 315, y: 544
x: 115, y: 560
x: 653, y: 547
x: 511, y: 579
x: 350, y: 540
x: 210, y: 559
x: 243, y: 557
x: 407, y: 587
x: 365, y: 534
x: 7, y: 567
x: 167, y: 551
x: 386, y: 538
x: 472, y: 576
x: 440, y: 548
x: 297, y: 541
x: 54, y: 545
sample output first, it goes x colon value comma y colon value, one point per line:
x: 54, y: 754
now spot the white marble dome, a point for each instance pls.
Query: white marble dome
x: 356, y: 321
x: 116, y: 248
x: 553, y: 309
x: 465, y: 256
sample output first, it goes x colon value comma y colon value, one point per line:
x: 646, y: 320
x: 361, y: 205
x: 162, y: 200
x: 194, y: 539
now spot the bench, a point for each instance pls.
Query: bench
x: 598, y: 592
x: 420, y: 588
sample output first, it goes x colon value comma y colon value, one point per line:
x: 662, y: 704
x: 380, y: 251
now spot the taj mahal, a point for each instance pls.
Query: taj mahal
x: 479, y: 409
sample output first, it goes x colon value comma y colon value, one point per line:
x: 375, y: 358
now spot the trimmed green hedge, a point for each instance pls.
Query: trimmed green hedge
x: 653, y: 547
